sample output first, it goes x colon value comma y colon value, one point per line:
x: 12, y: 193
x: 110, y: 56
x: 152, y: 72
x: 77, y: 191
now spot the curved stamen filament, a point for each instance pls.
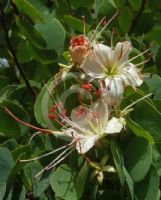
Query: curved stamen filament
x: 145, y: 61
x: 129, y: 106
x: 45, y: 155
x: 58, y: 159
x: 84, y: 25
x: 109, y: 21
x: 97, y: 27
x: 32, y: 137
x: 112, y: 34
x: 133, y: 58
x: 53, y: 164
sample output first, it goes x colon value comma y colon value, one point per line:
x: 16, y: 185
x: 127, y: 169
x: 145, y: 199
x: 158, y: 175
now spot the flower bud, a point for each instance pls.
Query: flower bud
x: 79, y: 48
x: 100, y: 178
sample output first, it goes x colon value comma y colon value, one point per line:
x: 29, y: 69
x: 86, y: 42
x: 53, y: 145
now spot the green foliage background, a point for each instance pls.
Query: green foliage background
x: 35, y: 37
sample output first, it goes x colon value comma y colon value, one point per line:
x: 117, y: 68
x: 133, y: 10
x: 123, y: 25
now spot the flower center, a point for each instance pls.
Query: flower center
x: 112, y: 69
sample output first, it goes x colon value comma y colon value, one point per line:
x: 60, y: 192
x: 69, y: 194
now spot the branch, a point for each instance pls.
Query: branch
x: 2, y: 20
x: 136, y: 18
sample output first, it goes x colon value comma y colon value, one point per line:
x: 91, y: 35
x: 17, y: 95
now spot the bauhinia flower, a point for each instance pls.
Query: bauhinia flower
x: 113, y: 67
x: 90, y: 124
x: 85, y: 127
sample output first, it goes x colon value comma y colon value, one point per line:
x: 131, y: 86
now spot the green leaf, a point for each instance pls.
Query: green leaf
x: 62, y: 8
x: 5, y: 4
x: 42, y: 106
x: 6, y: 164
x: 60, y: 92
x: 148, y: 118
x: 148, y: 22
x: 26, y: 7
x: 82, y: 3
x: 140, y: 159
x: 63, y: 183
x: 44, y: 56
x: 148, y: 188
x: 124, y: 19
x: 9, y: 127
x: 2, y: 190
x: 118, y: 160
x: 157, y: 94
x: 3, y: 81
x: 157, y: 103
x: 129, y: 182
x: 154, y: 35
x: 42, y: 184
x: 18, y: 192
x: 10, y: 186
x: 138, y: 131
x: 40, y: 6
x: 75, y: 23
x: 20, y: 150
x: 31, y: 34
x: 120, y: 3
x: 157, y: 157
x: 81, y: 180
x: 53, y: 33
x: 158, y: 61
x: 153, y: 5
x: 11, y: 144
x: 153, y: 82
x: 28, y: 52
x: 135, y: 4
x: 105, y: 8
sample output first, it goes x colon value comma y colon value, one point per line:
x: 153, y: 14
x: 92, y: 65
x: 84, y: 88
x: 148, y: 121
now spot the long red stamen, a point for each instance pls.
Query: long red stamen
x: 59, y: 122
x: 51, y: 116
x: 26, y: 124
x: 52, y: 109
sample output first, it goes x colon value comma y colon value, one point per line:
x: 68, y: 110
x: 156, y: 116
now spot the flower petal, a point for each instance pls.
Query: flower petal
x: 100, y: 115
x: 113, y: 91
x: 121, y: 52
x: 131, y: 75
x: 114, y: 125
x: 81, y: 116
x: 91, y: 120
x: 96, y: 63
x: 85, y: 144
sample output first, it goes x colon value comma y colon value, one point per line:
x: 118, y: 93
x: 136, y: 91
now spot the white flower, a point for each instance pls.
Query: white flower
x: 88, y: 125
x: 112, y: 66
